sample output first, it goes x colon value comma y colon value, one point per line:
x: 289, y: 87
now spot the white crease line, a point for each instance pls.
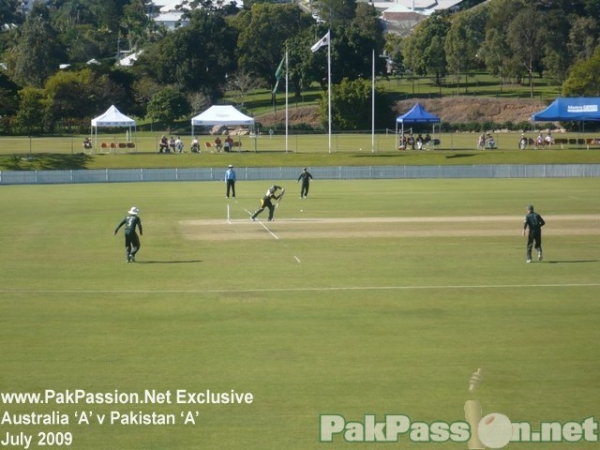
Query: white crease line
x: 297, y: 259
x: 266, y: 228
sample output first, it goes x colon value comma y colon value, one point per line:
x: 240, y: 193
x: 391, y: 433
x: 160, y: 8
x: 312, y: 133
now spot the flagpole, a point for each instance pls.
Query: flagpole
x: 329, y: 84
x: 320, y: 43
x: 373, y: 108
x: 286, y: 99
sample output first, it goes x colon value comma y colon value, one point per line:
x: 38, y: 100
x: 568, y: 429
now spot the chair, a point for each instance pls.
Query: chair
x: 560, y: 141
x: 104, y: 145
x: 208, y: 145
x: 113, y: 145
x: 238, y: 145
x: 122, y: 145
x: 131, y: 145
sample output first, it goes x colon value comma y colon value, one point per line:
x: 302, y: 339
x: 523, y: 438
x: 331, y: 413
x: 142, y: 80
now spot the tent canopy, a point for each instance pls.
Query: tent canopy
x: 222, y: 115
x: 417, y: 114
x: 579, y: 109
x: 113, y: 118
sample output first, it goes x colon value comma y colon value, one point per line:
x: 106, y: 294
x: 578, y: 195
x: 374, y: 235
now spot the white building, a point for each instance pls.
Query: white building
x: 400, y: 16
x: 170, y: 12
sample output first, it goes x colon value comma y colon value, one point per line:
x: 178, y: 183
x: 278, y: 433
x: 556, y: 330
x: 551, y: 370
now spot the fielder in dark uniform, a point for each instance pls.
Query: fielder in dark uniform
x: 305, y: 176
x: 267, y: 202
x: 534, y: 222
x: 132, y: 240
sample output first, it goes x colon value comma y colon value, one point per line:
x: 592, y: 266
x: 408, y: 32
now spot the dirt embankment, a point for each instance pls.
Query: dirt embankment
x: 449, y: 109
x: 477, y: 109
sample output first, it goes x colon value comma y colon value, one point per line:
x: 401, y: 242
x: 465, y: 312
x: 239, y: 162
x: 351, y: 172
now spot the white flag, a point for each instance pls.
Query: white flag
x: 324, y: 41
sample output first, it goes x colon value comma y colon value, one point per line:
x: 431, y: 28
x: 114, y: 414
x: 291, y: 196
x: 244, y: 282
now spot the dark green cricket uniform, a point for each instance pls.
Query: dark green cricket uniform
x: 267, y: 202
x: 132, y: 240
x: 534, y: 222
x: 305, y: 176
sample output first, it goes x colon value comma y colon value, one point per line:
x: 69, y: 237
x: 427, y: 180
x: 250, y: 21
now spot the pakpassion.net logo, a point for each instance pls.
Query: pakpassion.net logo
x: 494, y: 431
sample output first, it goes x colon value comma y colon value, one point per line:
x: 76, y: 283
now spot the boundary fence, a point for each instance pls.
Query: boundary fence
x: 291, y: 173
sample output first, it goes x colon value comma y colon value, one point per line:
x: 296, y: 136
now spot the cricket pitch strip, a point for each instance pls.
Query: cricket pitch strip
x: 384, y: 227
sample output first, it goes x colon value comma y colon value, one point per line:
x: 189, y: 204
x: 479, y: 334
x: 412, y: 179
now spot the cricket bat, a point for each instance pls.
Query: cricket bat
x: 280, y: 197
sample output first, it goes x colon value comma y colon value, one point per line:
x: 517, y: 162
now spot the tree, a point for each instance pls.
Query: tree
x: 424, y: 49
x: 9, y: 99
x: 583, y: 38
x: 351, y: 106
x: 355, y: 44
x: 584, y: 78
x: 263, y: 33
x: 81, y: 94
x: 393, y: 50
x: 135, y: 24
x: 556, y: 59
x: 336, y: 13
x: 30, y: 117
x: 193, y: 58
x: 466, y: 33
x: 167, y: 106
x: 241, y: 83
x: 38, y: 53
x: 495, y: 51
x: 9, y: 12
x: 525, y: 39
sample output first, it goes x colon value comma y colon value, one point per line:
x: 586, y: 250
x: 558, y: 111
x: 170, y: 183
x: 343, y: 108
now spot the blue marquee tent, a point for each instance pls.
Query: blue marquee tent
x: 416, y: 115
x: 576, y: 109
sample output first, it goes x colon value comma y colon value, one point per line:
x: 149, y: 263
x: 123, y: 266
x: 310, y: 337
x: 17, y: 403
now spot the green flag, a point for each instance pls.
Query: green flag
x: 278, y: 75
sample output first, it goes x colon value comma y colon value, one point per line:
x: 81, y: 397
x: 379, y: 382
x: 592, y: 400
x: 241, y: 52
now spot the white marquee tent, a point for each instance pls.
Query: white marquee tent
x: 111, y: 118
x: 222, y: 115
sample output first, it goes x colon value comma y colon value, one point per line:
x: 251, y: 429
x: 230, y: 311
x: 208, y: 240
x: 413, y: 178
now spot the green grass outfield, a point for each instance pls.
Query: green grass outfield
x: 371, y: 297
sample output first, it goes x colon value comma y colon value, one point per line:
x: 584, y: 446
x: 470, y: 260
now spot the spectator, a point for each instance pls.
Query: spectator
x: 539, y: 142
x: 218, y: 144
x: 522, y: 142
x: 228, y: 143
x: 491, y: 143
x: 172, y: 143
x: 178, y: 145
x: 87, y: 144
x: 195, y: 147
x: 402, y: 143
x: 419, y: 142
x: 163, y: 145
x: 481, y: 142
x: 411, y: 142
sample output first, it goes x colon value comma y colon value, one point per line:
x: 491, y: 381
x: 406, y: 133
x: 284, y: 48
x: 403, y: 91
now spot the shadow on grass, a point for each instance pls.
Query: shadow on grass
x: 46, y: 161
x: 192, y: 261
x: 459, y: 155
x: 574, y: 261
x: 379, y: 155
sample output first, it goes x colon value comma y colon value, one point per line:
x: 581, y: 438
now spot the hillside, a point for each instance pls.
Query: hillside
x: 450, y: 109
